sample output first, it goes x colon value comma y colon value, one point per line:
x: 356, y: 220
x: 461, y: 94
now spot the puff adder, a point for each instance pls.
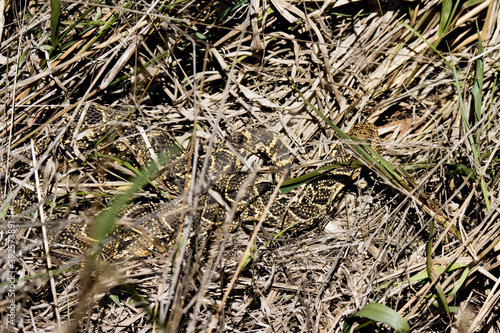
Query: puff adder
x: 147, y: 227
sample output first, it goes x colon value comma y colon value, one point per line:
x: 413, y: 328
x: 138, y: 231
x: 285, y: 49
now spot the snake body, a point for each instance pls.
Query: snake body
x: 147, y: 227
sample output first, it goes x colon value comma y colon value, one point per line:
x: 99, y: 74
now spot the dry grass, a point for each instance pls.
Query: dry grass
x: 216, y: 67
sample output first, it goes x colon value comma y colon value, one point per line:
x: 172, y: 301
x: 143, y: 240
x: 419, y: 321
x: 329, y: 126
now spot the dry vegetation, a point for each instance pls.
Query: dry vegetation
x: 424, y: 72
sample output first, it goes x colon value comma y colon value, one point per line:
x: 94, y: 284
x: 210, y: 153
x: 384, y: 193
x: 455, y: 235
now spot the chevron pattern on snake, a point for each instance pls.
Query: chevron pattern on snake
x: 144, y: 228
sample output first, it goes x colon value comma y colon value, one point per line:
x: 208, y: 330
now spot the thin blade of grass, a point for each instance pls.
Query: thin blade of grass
x: 379, y: 313
x: 55, y: 14
x: 448, y: 9
x: 477, y: 96
x: 106, y: 221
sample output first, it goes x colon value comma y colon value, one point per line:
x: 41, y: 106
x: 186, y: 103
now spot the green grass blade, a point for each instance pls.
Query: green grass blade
x: 55, y: 14
x: 106, y: 221
x: 448, y: 10
x: 446, y: 7
x: 4, y: 211
x: 427, y: 42
x: 128, y: 166
x: 106, y: 26
x: 477, y: 88
x: 442, y: 269
x: 438, y: 269
x: 472, y: 3
x: 460, y: 281
x: 379, y: 313
x: 116, y: 299
x: 75, y: 23
x: 477, y: 96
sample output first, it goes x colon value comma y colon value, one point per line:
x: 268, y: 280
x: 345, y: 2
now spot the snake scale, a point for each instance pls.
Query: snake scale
x: 146, y: 227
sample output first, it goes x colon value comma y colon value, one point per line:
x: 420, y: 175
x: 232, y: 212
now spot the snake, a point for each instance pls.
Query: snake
x: 225, y: 186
